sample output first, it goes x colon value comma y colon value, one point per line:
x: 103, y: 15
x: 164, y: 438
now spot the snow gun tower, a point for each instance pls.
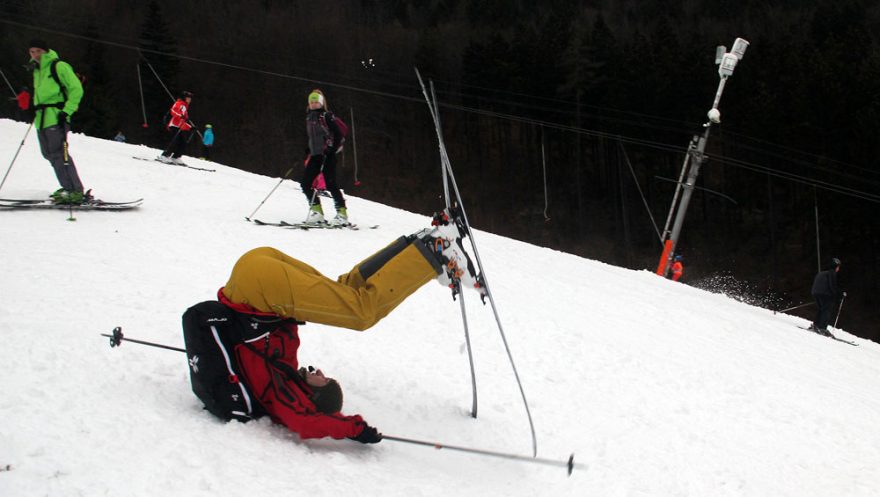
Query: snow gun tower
x: 695, y: 156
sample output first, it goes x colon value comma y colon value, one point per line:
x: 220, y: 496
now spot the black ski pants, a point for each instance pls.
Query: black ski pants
x: 328, y: 161
x: 825, y: 304
x: 178, y: 142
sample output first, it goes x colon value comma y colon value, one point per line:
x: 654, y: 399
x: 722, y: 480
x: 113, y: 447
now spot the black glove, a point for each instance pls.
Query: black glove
x: 368, y: 435
x: 62, y: 117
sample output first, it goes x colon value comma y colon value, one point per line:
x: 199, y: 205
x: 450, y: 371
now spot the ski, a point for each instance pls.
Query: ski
x: 829, y: 335
x: 172, y: 164
x: 449, y: 181
x: 92, y: 205
x: 312, y: 226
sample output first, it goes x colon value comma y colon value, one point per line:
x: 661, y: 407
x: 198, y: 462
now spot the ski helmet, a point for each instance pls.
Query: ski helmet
x: 835, y: 262
x: 678, y: 258
x: 184, y: 94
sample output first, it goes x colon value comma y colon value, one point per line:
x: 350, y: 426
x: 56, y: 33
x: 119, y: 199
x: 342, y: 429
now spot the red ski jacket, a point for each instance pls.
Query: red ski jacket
x: 278, y: 386
x: 179, y: 116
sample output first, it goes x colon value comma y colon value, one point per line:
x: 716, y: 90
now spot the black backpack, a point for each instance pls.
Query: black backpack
x: 211, y: 331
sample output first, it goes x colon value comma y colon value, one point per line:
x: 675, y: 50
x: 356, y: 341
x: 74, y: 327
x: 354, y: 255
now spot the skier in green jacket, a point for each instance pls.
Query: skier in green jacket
x: 57, y: 93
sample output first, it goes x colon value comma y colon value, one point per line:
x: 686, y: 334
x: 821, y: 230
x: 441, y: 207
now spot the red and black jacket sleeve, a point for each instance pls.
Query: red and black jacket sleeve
x: 269, y: 367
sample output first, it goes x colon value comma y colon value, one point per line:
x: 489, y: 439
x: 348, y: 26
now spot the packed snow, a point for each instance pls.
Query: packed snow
x: 658, y: 388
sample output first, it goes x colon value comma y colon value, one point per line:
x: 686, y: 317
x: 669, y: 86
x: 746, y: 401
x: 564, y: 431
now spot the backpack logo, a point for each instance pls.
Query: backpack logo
x: 194, y: 363
x: 235, y: 397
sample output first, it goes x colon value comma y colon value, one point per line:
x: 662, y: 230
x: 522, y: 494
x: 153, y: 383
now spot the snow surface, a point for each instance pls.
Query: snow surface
x: 659, y: 389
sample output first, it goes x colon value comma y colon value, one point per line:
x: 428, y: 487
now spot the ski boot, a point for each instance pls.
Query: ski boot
x: 341, y: 218
x: 445, y: 241
x: 316, y: 215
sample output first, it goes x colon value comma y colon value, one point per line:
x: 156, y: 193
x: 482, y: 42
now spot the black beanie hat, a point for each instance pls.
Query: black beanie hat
x: 38, y: 43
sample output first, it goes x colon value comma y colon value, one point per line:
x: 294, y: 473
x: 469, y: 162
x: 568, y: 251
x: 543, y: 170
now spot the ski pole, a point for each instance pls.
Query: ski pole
x: 8, y: 84
x: 839, y: 309
x: 569, y: 464
x: 66, y: 157
x: 31, y: 125
x: 116, y: 340
x: 273, y: 191
x: 171, y: 143
x: 796, y: 307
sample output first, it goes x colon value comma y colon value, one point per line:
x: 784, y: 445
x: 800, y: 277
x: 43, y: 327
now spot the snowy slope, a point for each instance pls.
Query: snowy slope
x: 658, y: 388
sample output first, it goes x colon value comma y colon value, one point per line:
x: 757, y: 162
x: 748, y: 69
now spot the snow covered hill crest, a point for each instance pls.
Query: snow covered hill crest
x: 659, y: 389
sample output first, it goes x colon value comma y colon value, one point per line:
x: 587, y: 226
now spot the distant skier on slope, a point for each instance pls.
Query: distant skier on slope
x: 57, y: 94
x: 825, y: 291
x: 269, y: 293
x: 677, y: 268
x: 326, y: 134
x: 180, y: 126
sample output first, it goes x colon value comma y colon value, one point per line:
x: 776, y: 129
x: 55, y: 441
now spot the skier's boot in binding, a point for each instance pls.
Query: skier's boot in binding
x: 316, y: 215
x: 341, y: 218
x: 445, y: 240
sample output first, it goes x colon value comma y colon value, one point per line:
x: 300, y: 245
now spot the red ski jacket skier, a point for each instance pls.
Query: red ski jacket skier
x: 179, y: 116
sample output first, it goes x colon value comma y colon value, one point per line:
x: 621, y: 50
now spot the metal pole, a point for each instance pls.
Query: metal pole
x: 141, y: 88
x: 569, y: 464
x: 273, y: 191
x: 544, y: 168
x: 354, y: 147
x: 839, y: 309
x: 688, y: 190
x: 684, y: 169
x: 117, y: 337
x: 818, y: 244
x: 796, y: 307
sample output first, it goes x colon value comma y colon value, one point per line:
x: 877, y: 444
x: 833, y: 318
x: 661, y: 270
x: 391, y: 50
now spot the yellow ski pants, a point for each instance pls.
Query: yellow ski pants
x: 271, y: 281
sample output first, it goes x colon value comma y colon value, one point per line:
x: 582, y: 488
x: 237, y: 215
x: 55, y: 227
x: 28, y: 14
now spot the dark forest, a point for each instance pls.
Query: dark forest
x: 567, y: 122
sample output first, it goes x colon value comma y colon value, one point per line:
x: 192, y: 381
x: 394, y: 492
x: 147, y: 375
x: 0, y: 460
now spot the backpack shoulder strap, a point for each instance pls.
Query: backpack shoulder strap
x: 53, y: 71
